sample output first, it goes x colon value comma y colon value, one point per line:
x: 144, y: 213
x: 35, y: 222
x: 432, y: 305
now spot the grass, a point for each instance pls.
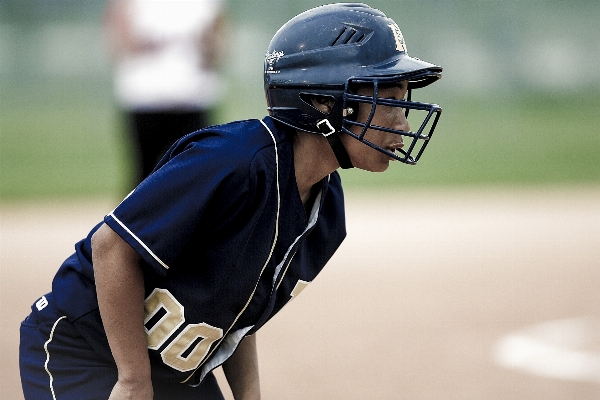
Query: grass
x: 70, y: 145
x: 529, y: 139
x: 57, y: 148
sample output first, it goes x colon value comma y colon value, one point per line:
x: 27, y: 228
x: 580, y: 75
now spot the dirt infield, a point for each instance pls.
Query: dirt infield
x: 459, y: 294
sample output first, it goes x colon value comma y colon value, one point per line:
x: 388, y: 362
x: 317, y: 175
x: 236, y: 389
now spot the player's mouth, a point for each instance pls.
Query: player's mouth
x: 394, y: 148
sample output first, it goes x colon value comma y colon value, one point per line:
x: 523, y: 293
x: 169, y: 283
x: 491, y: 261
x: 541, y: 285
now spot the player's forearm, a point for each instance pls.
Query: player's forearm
x: 241, y: 371
x: 120, y: 289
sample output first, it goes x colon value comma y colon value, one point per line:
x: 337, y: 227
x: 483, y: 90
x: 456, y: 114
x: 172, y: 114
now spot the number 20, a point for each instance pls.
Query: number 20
x: 187, y: 350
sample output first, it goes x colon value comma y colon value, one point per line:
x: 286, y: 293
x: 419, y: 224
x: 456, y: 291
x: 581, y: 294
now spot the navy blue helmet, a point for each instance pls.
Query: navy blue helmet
x: 329, y: 51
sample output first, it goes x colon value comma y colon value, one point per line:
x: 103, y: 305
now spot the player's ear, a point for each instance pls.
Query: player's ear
x: 323, y: 103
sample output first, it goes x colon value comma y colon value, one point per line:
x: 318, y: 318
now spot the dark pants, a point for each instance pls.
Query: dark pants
x: 154, y: 132
x: 56, y: 362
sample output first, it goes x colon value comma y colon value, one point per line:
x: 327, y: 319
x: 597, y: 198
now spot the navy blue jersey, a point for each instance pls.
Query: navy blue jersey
x: 225, y: 241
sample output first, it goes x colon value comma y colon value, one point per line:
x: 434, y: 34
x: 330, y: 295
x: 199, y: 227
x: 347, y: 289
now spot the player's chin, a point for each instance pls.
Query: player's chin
x: 379, y: 165
x: 384, y: 166
x: 373, y: 161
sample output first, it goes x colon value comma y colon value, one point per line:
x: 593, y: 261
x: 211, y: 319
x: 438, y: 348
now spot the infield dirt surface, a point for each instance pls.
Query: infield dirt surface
x: 489, y: 293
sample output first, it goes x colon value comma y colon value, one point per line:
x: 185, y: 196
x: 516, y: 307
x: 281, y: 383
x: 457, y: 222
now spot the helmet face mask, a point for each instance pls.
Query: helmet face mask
x: 427, y: 116
x: 328, y: 51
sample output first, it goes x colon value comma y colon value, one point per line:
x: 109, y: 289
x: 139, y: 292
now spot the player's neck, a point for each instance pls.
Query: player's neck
x: 313, y: 161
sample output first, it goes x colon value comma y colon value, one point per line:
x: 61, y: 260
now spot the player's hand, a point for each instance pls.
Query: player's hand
x: 132, y: 391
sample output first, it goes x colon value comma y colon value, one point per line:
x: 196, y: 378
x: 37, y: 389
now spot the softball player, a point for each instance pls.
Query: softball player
x: 233, y: 222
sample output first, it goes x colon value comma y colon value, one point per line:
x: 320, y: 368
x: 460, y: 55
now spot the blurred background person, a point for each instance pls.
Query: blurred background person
x: 166, y: 70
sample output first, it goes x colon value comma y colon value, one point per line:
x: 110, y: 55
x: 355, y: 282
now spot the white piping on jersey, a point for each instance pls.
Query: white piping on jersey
x: 231, y: 341
x: 48, y: 355
x: 139, y: 241
x: 314, y: 216
x: 207, y: 368
x: 311, y: 221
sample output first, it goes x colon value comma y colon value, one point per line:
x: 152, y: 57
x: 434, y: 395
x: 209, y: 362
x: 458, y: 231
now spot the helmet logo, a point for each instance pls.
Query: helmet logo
x: 271, y: 59
x: 400, y: 44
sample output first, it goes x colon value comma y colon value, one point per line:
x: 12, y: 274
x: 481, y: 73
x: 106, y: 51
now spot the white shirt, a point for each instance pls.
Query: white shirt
x: 170, y: 74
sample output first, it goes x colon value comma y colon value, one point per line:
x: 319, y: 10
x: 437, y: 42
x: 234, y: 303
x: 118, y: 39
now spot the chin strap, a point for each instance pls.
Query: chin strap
x: 324, y: 126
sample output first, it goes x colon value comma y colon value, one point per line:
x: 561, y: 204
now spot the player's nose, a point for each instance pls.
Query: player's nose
x: 401, y: 122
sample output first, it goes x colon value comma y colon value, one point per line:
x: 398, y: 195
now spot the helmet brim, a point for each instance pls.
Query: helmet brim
x: 419, y: 73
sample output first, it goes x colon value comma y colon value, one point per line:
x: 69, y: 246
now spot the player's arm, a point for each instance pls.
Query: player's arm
x: 120, y: 288
x: 241, y: 370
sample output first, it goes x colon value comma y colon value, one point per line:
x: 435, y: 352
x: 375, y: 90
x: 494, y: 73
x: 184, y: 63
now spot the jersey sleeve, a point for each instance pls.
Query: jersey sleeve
x: 181, y: 195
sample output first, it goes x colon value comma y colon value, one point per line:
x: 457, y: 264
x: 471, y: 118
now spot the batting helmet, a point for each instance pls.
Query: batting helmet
x: 328, y: 51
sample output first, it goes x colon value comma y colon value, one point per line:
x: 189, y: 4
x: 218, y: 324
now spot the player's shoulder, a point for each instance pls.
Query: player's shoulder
x: 256, y: 134
x: 234, y: 149
x: 237, y: 139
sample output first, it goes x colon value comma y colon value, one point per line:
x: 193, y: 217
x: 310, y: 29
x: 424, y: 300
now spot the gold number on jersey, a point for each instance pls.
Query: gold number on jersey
x: 161, y: 300
x: 186, y: 351
x: 181, y: 355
